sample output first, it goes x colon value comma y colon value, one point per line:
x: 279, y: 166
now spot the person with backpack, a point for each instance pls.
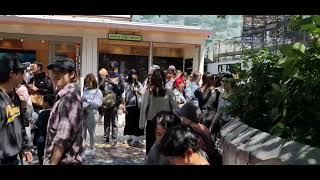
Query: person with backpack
x: 222, y: 117
x: 113, y: 88
x: 191, y: 115
x: 102, y: 75
x: 91, y: 101
x: 208, y: 98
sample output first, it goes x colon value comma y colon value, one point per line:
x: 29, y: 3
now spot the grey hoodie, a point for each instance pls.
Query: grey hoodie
x: 13, y: 136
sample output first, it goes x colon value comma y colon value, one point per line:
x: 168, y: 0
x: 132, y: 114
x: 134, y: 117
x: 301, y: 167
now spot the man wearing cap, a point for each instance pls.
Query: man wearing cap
x: 64, y: 142
x: 171, y: 73
x: 191, y: 115
x: 113, y: 89
x: 13, y: 137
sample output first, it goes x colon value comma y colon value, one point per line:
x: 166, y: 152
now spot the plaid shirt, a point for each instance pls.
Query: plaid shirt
x: 65, y: 127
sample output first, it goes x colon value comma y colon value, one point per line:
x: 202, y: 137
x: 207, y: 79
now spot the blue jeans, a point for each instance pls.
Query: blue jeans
x: 91, y: 117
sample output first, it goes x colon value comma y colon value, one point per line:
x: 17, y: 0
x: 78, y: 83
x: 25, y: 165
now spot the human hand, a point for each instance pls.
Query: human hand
x: 33, y: 87
x: 28, y: 156
x: 109, y: 80
x: 125, y: 110
x: 135, y: 89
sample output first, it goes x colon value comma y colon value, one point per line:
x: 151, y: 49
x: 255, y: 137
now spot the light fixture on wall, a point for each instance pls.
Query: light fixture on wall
x: 21, y: 39
x: 42, y: 41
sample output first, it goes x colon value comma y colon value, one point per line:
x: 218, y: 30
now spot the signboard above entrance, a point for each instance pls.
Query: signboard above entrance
x: 125, y: 37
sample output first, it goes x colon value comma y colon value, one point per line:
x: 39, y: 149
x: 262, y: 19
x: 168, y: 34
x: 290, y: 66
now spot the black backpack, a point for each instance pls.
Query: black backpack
x: 207, y: 111
x: 216, y: 101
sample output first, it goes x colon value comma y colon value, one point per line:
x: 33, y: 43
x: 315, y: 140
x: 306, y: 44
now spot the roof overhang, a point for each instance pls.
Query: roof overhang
x: 104, y: 23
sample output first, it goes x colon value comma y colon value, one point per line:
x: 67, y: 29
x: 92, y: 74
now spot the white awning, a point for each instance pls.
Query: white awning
x: 96, y: 21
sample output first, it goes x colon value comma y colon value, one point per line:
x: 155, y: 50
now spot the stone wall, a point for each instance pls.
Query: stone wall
x: 244, y: 145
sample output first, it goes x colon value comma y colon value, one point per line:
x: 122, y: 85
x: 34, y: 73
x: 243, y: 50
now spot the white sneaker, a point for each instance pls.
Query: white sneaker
x: 90, y: 152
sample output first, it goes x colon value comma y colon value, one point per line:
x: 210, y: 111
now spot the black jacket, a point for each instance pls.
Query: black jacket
x: 41, y: 124
x: 43, y: 83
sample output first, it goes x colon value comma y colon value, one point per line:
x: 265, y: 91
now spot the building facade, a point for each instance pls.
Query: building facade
x: 92, y: 41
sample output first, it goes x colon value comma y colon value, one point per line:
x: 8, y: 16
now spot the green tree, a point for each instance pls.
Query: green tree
x: 279, y: 92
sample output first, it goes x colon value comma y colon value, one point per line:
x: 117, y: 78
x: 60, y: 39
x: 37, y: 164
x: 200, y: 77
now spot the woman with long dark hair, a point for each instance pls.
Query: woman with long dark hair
x: 133, y: 90
x: 207, y: 96
x: 156, y: 99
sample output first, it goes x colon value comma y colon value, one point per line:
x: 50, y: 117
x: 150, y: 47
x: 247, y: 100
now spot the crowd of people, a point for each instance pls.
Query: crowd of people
x: 179, y: 114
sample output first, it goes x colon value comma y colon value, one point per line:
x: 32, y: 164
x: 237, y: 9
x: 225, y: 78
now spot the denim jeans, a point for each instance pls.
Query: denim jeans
x: 91, y: 117
x: 111, y: 119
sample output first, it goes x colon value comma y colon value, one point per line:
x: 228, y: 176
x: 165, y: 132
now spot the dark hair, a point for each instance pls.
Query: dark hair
x: 230, y: 76
x: 39, y: 64
x: 12, y: 66
x: 207, y: 78
x: 90, y: 78
x: 178, y: 140
x: 167, y: 119
x: 204, y: 79
x: 158, y: 79
x: 227, y: 75
x: 50, y: 99
x: 130, y: 73
x: 113, y: 64
x: 217, y: 80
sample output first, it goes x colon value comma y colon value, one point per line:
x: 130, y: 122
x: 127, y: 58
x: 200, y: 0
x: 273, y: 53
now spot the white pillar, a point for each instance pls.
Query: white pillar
x: 89, y: 57
x: 51, y: 52
x: 122, y: 67
x: 150, y: 56
x: 196, y: 57
x: 202, y: 55
x: 184, y: 65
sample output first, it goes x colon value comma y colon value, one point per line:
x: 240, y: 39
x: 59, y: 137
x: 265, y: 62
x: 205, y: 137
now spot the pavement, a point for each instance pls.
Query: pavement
x: 121, y: 154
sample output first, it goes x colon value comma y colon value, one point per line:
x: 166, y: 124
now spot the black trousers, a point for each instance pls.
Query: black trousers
x: 150, y: 135
x: 132, y: 122
x: 111, y: 121
x: 10, y: 161
x: 40, y: 152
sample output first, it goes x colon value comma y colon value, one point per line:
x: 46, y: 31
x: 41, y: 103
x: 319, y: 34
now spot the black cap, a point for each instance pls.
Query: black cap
x: 189, y: 110
x: 27, y: 64
x: 11, y: 63
x: 63, y: 64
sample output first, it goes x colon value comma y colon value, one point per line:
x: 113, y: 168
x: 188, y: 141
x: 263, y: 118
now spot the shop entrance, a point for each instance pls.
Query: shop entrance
x: 126, y: 62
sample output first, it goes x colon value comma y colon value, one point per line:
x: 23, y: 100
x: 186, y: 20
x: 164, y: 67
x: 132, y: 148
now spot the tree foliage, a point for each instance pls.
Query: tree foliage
x: 279, y: 92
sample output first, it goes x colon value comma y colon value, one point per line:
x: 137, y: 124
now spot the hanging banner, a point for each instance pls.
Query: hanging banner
x: 125, y: 37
